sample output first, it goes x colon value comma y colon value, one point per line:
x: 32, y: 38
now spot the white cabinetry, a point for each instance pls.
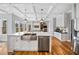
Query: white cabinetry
x: 16, y: 44
x: 11, y: 43
x: 77, y: 10
x: 64, y: 37
x: 3, y: 37
x: 77, y: 15
x: 57, y: 35
x: 25, y: 45
x: 36, y: 26
x: 34, y: 45
x: 61, y: 36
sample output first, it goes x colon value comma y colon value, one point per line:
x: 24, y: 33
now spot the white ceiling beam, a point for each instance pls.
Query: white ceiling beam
x: 25, y: 14
x: 49, y: 11
x: 12, y: 5
x: 35, y: 11
x: 18, y: 9
x: 4, y: 11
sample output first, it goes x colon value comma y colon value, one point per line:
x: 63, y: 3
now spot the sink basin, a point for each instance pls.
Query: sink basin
x: 29, y: 36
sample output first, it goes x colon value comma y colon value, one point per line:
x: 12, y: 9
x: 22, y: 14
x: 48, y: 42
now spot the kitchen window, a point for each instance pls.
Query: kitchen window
x: 17, y: 27
x: 25, y: 28
x: 21, y: 27
x: 4, y: 27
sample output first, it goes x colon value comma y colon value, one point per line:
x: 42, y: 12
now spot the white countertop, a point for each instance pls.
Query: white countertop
x: 37, y: 33
x: 44, y: 34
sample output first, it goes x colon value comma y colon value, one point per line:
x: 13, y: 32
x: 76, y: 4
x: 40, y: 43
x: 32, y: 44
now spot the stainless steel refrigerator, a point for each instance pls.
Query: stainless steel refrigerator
x: 74, y: 38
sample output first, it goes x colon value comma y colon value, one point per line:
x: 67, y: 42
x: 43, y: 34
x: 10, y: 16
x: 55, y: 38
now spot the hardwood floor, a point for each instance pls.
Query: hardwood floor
x: 61, y: 47
x: 31, y: 53
x: 58, y: 48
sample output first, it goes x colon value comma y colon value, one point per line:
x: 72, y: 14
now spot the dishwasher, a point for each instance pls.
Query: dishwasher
x: 43, y: 43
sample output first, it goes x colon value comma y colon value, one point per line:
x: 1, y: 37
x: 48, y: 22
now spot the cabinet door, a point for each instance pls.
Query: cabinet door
x: 64, y: 37
x: 17, y: 43
x: 34, y: 45
x: 25, y: 45
x: 11, y: 43
x: 3, y: 37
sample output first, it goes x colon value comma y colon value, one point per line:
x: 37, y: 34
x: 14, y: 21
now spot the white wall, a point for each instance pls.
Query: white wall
x: 3, y: 37
x: 77, y: 15
x: 11, y: 23
x: 60, y: 20
x: 50, y: 24
x: 2, y: 17
x: 0, y: 24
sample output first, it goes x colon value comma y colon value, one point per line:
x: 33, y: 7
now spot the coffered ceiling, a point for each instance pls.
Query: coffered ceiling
x: 34, y: 11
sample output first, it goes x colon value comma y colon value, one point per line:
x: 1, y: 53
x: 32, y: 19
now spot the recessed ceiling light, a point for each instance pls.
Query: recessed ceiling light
x: 25, y: 19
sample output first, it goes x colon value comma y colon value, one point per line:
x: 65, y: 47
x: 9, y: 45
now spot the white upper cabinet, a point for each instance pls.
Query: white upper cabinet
x: 77, y: 17
x: 77, y: 10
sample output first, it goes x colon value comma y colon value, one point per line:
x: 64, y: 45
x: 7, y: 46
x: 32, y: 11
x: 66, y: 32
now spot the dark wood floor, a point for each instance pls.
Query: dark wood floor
x: 58, y: 48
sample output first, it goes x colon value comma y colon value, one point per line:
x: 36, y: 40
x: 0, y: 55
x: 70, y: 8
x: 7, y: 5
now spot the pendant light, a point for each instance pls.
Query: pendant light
x: 25, y: 15
x: 41, y: 20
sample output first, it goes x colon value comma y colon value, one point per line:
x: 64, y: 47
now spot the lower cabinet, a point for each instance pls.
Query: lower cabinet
x: 34, y: 45
x: 16, y: 44
x: 43, y: 43
x: 11, y: 42
x: 64, y: 37
x: 26, y: 45
x: 3, y: 37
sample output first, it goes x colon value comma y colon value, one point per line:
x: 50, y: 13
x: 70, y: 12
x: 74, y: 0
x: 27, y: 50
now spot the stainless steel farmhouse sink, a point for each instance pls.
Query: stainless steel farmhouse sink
x: 29, y: 36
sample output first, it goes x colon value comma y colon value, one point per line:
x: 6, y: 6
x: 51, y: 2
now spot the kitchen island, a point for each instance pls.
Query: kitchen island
x: 17, y: 43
